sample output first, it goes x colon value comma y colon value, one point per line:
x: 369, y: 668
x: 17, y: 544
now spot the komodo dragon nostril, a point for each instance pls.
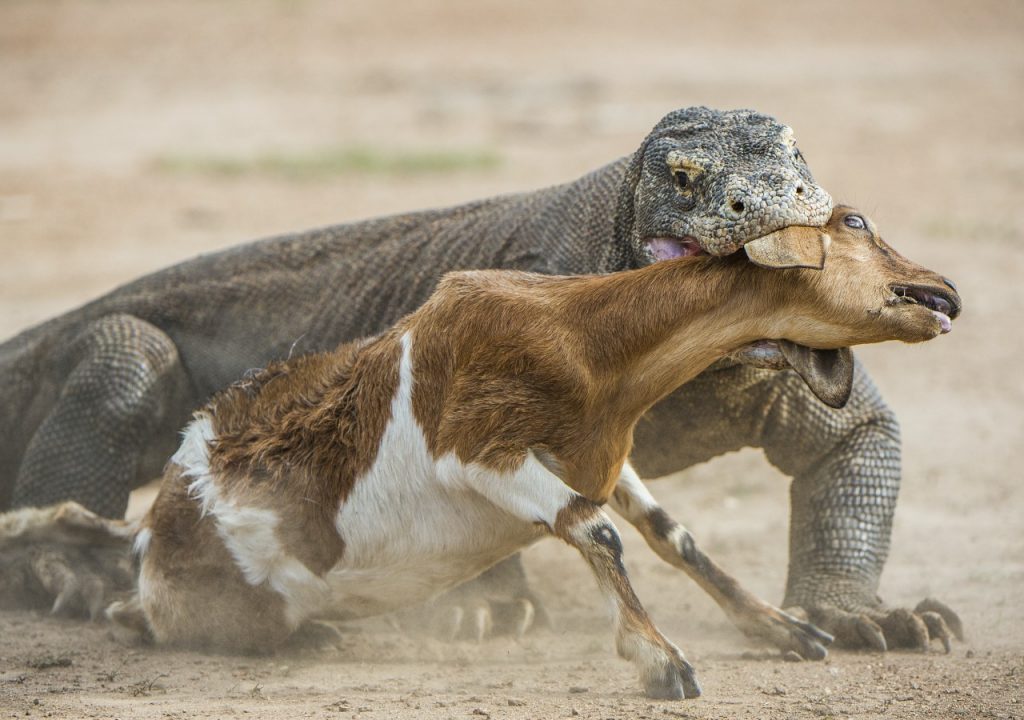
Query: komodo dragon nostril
x: 950, y: 284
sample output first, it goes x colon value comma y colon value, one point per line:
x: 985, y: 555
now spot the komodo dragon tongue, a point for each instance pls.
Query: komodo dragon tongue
x: 796, y: 246
x: 828, y: 373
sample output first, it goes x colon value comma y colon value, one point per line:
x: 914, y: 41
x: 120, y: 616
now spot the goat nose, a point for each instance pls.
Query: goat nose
x: 950, y: 284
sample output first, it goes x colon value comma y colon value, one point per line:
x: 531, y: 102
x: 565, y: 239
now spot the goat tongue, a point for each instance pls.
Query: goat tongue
x: 828, y: 373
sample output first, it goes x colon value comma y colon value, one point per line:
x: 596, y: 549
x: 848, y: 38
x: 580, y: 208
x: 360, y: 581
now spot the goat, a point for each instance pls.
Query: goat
x: 359, y: 481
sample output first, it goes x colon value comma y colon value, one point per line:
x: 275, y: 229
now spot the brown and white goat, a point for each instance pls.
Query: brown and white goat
x: 356, y: 482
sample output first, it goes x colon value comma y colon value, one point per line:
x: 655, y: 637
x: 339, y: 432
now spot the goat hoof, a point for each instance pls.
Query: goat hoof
x: 679, y: 680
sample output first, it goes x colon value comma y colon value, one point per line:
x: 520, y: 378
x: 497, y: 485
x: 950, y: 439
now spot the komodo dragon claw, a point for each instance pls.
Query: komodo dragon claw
x: 64, y: 558
x: 883, y: 629
x: 498, y: 602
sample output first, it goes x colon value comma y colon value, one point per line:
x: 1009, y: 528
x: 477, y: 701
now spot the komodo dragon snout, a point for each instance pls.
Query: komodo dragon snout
x: 707, y: 181
x: 863, y: 291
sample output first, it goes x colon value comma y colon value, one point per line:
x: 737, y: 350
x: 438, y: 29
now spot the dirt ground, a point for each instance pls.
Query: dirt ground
x: 133, y: 135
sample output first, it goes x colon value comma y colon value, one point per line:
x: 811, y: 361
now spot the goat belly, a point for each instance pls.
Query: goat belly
x: 410, y: 536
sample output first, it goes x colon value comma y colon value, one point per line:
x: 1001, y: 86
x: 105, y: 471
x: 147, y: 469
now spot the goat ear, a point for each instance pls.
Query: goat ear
x: 828, y: 373
x: 791, y: 247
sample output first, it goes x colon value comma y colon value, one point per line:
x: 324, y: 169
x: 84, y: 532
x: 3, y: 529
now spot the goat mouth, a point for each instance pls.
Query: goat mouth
x: 667, y: 248
x: 943, y: 304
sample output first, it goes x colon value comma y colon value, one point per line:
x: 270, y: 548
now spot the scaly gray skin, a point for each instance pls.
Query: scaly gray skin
x: 93, y: 399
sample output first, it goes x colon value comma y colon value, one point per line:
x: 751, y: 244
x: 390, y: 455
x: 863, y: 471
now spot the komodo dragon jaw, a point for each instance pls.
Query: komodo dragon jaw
x: 709, y: 181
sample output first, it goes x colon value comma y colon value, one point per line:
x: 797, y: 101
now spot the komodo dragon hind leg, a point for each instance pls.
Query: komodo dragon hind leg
x: 500, y: 601
x: 122, y: 378
x: 64, y: 555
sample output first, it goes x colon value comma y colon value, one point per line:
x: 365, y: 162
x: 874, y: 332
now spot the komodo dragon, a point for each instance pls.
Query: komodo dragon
x: 93, y: 399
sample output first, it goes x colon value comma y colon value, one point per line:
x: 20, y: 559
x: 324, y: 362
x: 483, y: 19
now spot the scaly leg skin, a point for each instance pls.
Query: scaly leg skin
x: 843, y: 497
x: 121, y: 379
x: 674, y: 544
x: 845, y: 466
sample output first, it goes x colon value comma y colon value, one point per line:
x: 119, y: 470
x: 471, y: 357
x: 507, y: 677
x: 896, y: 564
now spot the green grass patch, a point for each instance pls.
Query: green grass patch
x: 332, y: 162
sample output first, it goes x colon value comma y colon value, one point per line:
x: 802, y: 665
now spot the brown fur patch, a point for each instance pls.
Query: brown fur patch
x: 296, y: 437
x: 211, y: 604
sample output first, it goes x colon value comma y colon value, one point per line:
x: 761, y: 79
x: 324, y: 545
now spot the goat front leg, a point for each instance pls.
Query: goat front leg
x: 538, y: 496
x: 675, y: 545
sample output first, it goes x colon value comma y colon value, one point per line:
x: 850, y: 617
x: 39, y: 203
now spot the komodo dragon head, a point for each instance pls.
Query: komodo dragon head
x: 707, y: 181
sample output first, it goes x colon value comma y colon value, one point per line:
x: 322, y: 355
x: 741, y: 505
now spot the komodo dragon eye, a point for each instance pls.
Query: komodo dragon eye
x: 855, y: 221
x: 683, y: 182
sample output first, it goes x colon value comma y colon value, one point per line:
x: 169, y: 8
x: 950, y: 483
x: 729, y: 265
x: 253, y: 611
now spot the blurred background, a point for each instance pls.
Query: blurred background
x: 136, y: 134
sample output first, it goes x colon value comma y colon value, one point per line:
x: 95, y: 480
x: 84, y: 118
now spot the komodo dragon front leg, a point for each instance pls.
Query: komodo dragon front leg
x: 845, y: 466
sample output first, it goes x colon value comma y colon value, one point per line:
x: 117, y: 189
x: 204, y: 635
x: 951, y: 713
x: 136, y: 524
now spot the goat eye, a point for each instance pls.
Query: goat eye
x: 682, y: 180
x: 855, y: 221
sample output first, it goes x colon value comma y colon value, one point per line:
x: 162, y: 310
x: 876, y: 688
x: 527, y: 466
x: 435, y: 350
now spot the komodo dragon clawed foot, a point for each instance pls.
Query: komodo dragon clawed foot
x: 880, y: 628
x: 63, y: 557
x: 498, y: 602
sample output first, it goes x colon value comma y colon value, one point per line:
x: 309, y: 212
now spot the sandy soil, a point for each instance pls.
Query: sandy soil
x: 135, y: 134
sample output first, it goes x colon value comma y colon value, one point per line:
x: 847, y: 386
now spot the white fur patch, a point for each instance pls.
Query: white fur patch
x: 249, y: 533
x: 414, y: 527
x: 639, y: 501
x: 193, y: 457
x: 141, y: 544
